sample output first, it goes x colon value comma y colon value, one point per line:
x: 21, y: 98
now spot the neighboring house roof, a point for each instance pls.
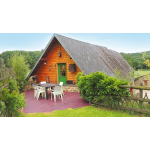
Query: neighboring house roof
x: 146, y: 75
x: 88, y: 57
x: 138, y: 74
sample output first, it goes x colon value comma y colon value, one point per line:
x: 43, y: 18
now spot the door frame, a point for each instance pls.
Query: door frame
x: 57, y: 71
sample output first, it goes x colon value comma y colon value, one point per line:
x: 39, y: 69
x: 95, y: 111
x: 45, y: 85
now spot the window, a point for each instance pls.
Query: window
x: 63, y: 70
x: 145, y: 82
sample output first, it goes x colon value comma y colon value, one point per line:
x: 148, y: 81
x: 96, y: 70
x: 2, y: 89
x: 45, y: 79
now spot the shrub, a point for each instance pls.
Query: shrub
x: 2, y: 108
x: 12, y: 100
x: 100, y: 87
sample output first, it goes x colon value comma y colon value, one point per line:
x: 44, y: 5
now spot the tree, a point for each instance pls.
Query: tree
x: 21, y: 69
x: 31, y: 56
x: 146, y: 60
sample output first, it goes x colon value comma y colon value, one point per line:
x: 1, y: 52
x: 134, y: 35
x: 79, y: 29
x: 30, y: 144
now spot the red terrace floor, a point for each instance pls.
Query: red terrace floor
x: 70, y: 100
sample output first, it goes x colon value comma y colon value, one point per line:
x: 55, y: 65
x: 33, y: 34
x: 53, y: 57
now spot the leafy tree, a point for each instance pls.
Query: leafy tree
x: 146, y: 60
x: 21, y: 69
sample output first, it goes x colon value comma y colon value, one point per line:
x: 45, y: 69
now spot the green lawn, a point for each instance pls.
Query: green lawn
x: 140, y: 73
x: 88, y: 111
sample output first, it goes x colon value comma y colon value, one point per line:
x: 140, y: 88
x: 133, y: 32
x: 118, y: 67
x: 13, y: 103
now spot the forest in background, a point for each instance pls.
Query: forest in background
x: 134, y: 59
x: 30, y: 56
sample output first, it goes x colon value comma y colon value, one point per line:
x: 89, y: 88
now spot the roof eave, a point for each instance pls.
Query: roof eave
x: 41, y: 55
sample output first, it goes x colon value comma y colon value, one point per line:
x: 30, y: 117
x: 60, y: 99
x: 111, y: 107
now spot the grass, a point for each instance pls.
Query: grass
x: 88, y: 111
x: 140, y: 73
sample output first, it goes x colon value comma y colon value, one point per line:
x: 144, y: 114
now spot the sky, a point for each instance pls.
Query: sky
x: 120, y: 42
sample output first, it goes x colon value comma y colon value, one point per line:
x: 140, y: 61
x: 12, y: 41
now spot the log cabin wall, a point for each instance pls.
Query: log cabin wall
x: 52, y: 64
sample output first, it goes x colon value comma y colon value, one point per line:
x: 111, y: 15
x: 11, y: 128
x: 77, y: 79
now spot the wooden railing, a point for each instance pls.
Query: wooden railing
x: 139, y: 103
x: 134, y: 103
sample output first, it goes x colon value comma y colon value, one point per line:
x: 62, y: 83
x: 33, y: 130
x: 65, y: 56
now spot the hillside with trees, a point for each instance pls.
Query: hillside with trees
x: 30, y: 56
x: 136, y: 59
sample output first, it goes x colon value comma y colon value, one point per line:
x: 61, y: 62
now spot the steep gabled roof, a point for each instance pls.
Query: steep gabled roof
x: 88, y: 57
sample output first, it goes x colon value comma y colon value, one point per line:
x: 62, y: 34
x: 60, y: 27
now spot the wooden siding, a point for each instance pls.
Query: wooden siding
x: 52, y: 61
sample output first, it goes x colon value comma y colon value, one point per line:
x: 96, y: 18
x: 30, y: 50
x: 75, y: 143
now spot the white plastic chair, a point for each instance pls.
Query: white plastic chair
x: 57, y: 91
x: 61, y: 83
x: 35, y: 90
x: 43, y: 82
x: 40, y: 90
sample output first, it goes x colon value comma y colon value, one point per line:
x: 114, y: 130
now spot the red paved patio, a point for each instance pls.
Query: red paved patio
x: 70, y: 100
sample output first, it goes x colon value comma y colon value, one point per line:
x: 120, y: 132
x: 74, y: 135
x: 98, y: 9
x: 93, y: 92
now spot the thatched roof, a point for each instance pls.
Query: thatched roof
x: 88, y: 57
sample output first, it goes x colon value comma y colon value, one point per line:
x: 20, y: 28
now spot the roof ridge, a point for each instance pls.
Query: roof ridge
x: 79, y: 40
x: 85, y: 42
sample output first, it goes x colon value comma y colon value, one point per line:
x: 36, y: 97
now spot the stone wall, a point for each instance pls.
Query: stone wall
x: 141, y: 80
x: 138, y: 82
x: 70, y: 88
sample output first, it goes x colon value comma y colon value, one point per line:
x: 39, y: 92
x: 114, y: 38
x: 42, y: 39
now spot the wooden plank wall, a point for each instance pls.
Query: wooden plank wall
x: 52, y: 61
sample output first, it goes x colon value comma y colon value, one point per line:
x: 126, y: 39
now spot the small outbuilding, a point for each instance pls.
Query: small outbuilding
x: 142, y: 79
x: 63, y: 58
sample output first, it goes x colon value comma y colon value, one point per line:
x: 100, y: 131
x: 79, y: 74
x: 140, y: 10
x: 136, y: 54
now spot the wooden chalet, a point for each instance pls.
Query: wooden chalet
x: 63, y: 58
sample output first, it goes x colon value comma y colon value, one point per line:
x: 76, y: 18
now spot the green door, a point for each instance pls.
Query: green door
x: 62, y: 73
